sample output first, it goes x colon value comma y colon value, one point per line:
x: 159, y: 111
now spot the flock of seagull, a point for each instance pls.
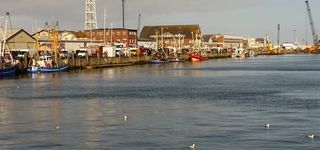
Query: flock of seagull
x: 310, y: 136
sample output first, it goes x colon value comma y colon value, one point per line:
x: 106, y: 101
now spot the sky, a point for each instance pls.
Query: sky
x: 248, y: 18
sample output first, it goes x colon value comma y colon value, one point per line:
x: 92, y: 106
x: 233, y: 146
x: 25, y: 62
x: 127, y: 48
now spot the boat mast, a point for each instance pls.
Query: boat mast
x: 157, y: 41
x: 104, y: 26
x: 55, y: 42
x: 37, y: 44
x: 4, y: 35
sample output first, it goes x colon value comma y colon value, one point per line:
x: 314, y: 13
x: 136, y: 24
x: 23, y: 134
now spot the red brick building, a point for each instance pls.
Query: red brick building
x: 126, y: 36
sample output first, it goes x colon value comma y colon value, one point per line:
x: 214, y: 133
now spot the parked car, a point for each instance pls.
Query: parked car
x: 84, y: 52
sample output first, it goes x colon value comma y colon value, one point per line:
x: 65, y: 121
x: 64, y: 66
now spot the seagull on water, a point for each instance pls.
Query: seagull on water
x: 267, y: 125
x: 311, y: 136
x: 125, y: 117
x: 57, y: 127
x: 193, y: 146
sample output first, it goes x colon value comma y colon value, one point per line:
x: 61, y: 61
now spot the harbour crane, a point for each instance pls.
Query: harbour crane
x: 315, y: 47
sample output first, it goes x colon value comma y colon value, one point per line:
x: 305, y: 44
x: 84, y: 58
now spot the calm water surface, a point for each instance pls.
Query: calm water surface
x: 217, y: 104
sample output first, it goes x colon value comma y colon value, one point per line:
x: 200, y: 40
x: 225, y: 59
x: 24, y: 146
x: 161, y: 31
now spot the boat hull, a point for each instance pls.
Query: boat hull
x: 158, y: 61
x: 36, y: 69
x: 8, y: 72
x: 195, y: 57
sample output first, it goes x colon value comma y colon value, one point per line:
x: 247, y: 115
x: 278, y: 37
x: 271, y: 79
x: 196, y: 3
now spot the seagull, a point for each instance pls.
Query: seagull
x: 57, y: 127
x: 267, y: 125
x: 125, y: 117
x: 193, y: 146
x: 18, y: 87
x: 311, y: 136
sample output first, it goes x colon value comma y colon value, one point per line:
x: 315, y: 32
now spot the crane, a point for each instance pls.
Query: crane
x: 315, y: 46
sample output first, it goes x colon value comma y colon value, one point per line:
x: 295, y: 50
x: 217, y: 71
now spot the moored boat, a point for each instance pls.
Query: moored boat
x: 8, y: 71
x: 8, y: 66
x: 158, y: 61
x: 46, y: 63
x: 195, y: 57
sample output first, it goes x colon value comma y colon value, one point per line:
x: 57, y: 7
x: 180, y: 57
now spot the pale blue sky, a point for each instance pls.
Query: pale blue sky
x: 249, y: 18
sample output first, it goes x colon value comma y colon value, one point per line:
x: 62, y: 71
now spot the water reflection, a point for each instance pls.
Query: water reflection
x: 169, y: 106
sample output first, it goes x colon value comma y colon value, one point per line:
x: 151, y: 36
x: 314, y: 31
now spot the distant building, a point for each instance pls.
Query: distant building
x: 256, y: 43
x: 183, y: 36
x: 68, y: 40
x: 120, y: 35
x: 216, y: 41
x: 147, y: 43
x: 289, y: 46
x: 17, y: 39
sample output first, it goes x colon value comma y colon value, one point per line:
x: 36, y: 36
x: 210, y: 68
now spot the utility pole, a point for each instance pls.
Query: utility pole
x: 294, y: 36
x: 139, y: 26
x: 123, y: 1
x: 278, y: 39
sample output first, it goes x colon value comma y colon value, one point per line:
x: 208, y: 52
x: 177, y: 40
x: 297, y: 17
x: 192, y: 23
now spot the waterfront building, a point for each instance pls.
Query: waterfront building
x: 18, y: 39
x: 220, y: 41
x: 172, y: 36
x: 114, y: 35
x: 69, y: 40
x: 256, y: 43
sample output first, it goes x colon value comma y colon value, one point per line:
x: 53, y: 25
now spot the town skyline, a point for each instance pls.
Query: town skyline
x: 247, y: 18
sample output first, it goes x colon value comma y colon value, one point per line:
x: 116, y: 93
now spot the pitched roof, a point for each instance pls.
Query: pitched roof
x: 186, y: 30
x: 207, y: 37
x: 10, y: 32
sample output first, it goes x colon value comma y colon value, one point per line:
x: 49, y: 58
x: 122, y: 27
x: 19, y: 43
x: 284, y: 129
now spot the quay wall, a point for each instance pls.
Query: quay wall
x: 99, y: 62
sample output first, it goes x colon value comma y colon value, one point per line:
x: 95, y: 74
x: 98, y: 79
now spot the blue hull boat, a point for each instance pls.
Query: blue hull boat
x: 8, y: 72
x: 37, y: 69
x: 159, y: 61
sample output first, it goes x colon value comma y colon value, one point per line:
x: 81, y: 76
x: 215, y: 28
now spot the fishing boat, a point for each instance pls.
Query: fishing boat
x: 46, y: 64
x: 8, y: 66
x: 198, y: 51
x: 8, y: 71
x: 49, y: 61
x: 195, y: 57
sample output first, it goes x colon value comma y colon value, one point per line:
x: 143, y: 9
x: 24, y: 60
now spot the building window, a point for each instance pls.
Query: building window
x: 118, y: 33
x: 124, y: 33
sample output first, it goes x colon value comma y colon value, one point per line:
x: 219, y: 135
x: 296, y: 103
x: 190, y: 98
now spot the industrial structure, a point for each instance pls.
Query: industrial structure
x: 90, y: 15
x: 315, y: 47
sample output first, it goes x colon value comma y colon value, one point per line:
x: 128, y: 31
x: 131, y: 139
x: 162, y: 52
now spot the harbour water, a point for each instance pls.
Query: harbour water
x: 216, y: 104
